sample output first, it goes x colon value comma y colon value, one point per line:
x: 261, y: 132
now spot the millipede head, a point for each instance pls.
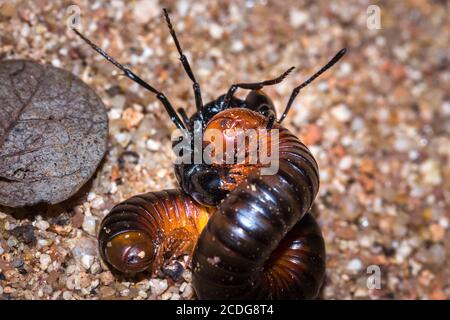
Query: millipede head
x: 129, y: 251
x: 210, y: 183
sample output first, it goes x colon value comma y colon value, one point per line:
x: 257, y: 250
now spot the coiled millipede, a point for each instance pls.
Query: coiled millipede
x: 250, y: 235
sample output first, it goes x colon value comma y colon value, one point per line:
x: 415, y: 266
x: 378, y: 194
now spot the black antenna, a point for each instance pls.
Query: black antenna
x: 128, y: 73
x: 296, y: 90
x: 185, y: 62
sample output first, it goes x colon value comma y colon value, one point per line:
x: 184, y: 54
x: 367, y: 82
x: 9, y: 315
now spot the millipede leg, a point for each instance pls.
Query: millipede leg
x: 184, y: 117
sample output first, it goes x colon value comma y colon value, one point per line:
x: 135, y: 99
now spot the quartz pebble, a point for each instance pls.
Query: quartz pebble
x: 42, y: 225
x: 86, y: 261
x: 158, y: 286
x: 354, y: 265
x: 89, y: 225
x: 342, y: 113
x: 44, y: 261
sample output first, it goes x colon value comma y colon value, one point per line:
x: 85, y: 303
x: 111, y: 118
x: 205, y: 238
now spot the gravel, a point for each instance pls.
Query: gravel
x: 378, y: 124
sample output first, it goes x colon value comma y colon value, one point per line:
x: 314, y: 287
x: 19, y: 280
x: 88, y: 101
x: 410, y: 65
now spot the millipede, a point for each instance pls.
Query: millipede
x: 248, y: 235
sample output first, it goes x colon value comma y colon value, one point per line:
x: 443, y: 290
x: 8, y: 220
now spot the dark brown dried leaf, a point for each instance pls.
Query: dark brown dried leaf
x: 53, y: 133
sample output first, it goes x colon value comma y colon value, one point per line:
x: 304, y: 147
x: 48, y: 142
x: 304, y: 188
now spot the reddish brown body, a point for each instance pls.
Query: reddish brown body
x: 139, y: 232
x: 260, y: 241
x: 255, y: 245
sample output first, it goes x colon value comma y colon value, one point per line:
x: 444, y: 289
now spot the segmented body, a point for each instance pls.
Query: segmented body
x: 257, y: 244
x: 141, y: 231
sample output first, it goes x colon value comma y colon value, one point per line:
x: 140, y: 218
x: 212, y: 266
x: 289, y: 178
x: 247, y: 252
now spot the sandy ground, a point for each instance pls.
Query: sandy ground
x: 378, y: 125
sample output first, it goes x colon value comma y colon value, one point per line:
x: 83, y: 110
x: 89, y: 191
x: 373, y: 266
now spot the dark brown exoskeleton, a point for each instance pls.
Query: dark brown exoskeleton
x: 250, y: 235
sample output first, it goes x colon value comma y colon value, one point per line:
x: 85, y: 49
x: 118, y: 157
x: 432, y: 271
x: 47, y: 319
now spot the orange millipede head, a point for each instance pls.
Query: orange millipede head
x: 231, y: 123
x: 130, y: 251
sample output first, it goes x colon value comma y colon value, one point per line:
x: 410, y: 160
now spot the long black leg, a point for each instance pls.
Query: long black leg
x: 186, y: 66
x: 128, y: 73
x: 296, y: 90
x: 184, y: 116
x: 253, y: 86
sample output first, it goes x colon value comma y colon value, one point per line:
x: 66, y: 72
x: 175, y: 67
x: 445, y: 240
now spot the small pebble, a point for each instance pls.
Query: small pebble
x: 158, y: 286
x: 431, y: 172
x: 86, y: 261
x: 89, y: 225
x: 45, y: 261
x: 42, y: 225
x: 298, y: 18
x: 342, y: 113
x: 67, y: 295
x: 95, y: 268
x: 45, y: 242
x: 166, y: 296
x: 354, y: 265
x: 188, y: 292
x: 106, y: 278
x: 144, y: 10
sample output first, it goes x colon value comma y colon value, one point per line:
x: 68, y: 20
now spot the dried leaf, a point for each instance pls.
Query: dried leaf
x: 53, y: 133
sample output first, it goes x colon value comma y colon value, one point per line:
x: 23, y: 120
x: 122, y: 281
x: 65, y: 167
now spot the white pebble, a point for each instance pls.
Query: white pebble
x: 402, y: 144
x: 183, y: 7
x: 443, y: 222
x: 91, y: 196
x: 115, y: 114
x: 158, y: 286
x: 145, y: 10
x: 12, y: 242
x: 175, y: 296
x: 354, y: 265
x: 237, y: 46
x: 98, y: 203
x: 298, y: 18
x: 113, y: 188
x: 403, y: 252
x: 89, y: 224
x: 346, y: 163
x: 431, y: 172
x: 357, y: 124
x: 67, y: 295
x: 446, y: 108
x: 152, y: 145
x: 215, y: 30
x: 45, y: 242
x: 45, y: 261
x: 123, y: 138
x: 346, y: 69
x: 87, y: 261
x: 342, y: 113
x: 188, y: 292
x: 42, y: 225
x: 95, y: 268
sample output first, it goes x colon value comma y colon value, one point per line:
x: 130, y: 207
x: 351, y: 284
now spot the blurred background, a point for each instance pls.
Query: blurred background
x: 378, y: 124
